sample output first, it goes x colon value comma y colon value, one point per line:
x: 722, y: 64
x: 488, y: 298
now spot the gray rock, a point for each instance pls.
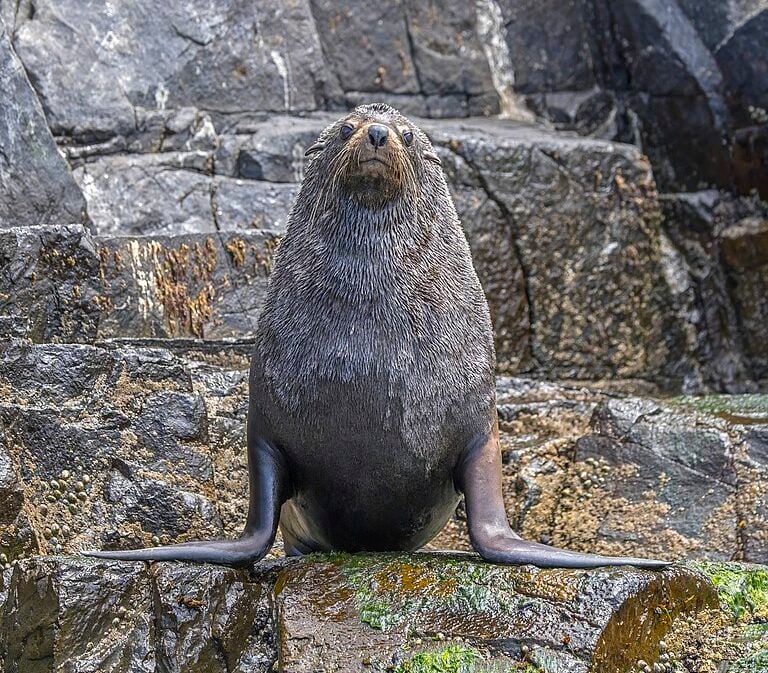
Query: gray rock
x: 208, y: 286
x: 677, y: 93
x: 36, y: 186
x: 212, y: 619
x: 109, y: 448
x: 584, y: 222
x: 694, y: 223
x: 228, y: 57
x: 74, y: 614
x: 745, y: 252
x: 49, y: 283
x: 177, y: 193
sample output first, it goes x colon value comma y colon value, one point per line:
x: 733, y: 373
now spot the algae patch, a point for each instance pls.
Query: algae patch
x: 458, y: 659
x: 453, y: 659
x: 738, y: 409
x: 743, y: 589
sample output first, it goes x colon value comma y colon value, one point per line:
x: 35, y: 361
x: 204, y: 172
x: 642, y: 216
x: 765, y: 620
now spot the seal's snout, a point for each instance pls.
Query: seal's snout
x: 377, y: 135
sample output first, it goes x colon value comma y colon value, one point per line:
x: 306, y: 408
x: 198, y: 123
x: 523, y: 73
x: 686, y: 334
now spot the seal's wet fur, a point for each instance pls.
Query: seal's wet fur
x: 372, y: 398
x: 375, y: 360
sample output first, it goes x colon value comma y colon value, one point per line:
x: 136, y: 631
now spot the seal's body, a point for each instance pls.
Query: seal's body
x: 372, y: 399
x: 374, y: 365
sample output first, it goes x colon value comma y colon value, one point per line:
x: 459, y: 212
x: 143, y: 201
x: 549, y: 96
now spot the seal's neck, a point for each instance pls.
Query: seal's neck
x: 353, y: 227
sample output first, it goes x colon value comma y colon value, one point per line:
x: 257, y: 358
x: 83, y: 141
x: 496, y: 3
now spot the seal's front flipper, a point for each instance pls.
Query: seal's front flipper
x: 478, y: 475
x: 268, y: 489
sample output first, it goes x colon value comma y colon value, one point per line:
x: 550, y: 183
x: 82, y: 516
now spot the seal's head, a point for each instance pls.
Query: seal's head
x: 373, y: 154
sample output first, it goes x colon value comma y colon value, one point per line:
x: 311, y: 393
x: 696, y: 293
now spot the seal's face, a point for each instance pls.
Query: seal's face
x: 373, y: 154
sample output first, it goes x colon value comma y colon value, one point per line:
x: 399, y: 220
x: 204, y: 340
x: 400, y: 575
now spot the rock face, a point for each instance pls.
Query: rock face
x: 61, y: 284
x: 70, y: 614
x: 714, y: 257
x: 35, y: 182
x: 119, y: 445
x: 185, y: 124
x: 684, y: 79
x: 338, y: 613
x: 102, y: 448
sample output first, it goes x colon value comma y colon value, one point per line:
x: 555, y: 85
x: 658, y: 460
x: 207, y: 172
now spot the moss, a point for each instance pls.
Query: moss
x: 452, y: 659
x: 734, y: 408
x: 391, y: 588
x: 743, y: 589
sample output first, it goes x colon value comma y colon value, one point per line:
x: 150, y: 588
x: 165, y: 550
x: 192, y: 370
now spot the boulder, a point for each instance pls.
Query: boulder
x: 102, y: 448
x: 198, y: 285
x: 745, y: 252
x: 49, y: 283
x: 686, y: 479
x: 693, y: 226
x: 36, y: 185
x: 62, y: 284
x: 230, y: 56
x: 176, y: 193
x: 584, y: 223
x: 74, y: 614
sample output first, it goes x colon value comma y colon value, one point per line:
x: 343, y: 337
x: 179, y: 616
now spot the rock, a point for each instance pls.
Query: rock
x: 742, y: 60
x: 79, y: 614
x: 108, y: 448
x: 146, y: 58
x: 402, y: 612
x: 677, y: 93
x: 384, y: 608
x: 49, y: 284
x: 210, y: 286
x: 693, y: 223
x: 745, y: 252
x: 669, y: 487
x: 61, y: 284
x: 584, y: 224
x: 551, y: 44
x: 682, y: 480
x: 212, y: 619
x: 424, y: 61
x: 37, y: 185
x: 174, y: 194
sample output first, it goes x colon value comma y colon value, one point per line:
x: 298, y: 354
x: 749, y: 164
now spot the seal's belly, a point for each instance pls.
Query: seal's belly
x: 359, y: 506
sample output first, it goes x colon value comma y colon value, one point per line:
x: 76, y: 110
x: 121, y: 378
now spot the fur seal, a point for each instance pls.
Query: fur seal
x: 372, y: 389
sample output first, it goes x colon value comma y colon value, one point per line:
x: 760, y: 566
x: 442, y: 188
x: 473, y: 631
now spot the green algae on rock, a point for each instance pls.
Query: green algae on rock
x: 373, y: 607
x: 743, y: 588
x: 452, y: 659
x: 737, y: 409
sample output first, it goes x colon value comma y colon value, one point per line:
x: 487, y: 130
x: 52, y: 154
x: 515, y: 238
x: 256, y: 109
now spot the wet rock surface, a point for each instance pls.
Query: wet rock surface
x: 570, y: 619
x: 74, y: 614
x: 398, y: 612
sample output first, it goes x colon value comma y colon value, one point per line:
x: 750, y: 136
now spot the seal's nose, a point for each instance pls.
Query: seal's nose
x: 377, y: 134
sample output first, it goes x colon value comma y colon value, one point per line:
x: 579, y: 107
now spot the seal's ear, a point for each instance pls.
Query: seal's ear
x: 429, y: 156
x: 314, y: 149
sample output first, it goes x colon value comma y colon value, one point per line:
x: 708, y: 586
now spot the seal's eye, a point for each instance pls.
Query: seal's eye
x: 408, y: 137
x: 346, y: 131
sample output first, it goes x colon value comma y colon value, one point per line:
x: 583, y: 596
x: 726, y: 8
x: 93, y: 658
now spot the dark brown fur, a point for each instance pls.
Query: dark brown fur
x: 372, y: 399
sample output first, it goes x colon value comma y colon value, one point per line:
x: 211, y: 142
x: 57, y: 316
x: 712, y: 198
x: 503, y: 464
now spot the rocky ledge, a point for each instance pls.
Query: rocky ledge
x: 418, y: 613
